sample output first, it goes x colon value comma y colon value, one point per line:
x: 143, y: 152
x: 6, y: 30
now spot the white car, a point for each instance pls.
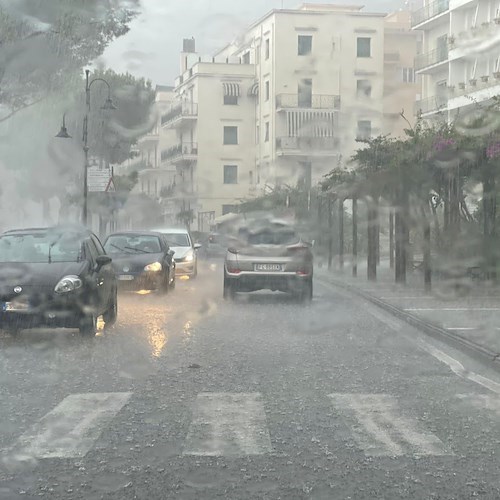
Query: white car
x: 185, y: 251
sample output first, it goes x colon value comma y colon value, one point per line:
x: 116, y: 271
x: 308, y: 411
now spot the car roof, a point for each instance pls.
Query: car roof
x: 172, y: 230
x: 136, y: 233
x: 78, y: 229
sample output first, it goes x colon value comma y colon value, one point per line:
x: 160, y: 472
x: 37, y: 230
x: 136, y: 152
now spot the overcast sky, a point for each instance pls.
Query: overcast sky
x: 151, y: 48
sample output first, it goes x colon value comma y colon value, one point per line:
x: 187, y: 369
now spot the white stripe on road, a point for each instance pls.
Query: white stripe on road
x: 379, y: 428
x: 463, y: 309
x: 461, y: 328
x: 228, y: 424
x: 72, y: 427
x: 483, y: 402
x: 455, y: 366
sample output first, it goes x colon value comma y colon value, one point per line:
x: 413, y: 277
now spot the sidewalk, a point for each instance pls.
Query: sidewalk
x: 469, y: 315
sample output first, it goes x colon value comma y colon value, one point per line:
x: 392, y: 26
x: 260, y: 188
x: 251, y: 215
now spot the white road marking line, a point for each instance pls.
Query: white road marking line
x: 462, y: 309
x: 228, y: 424
x: 455, y: 366
x: 483, y: 401
x: 461, y: 328
x: 405, y: 298
x: 381, y: 430
x: 72, y: 427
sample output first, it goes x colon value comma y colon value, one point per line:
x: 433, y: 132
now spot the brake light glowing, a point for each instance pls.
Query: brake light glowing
x: 302, y: 272
x: 233, y: 270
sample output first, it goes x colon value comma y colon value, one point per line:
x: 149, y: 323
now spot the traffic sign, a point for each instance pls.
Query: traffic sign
x: 99, y: 180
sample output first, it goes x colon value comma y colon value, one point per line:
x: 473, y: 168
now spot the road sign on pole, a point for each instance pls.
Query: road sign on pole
x: 99, y: 180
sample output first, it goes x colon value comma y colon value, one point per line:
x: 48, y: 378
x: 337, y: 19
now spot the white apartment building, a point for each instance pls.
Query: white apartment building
x: 460, y: 60
x: 286, y: 102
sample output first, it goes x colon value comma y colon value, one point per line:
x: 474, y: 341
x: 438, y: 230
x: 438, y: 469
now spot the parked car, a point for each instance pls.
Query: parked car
x: 55, y: 277
x: 185, y: 251
x: 269, y: 255
x: 142, y: 260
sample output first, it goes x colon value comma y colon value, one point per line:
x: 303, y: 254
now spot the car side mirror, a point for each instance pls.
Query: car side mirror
x: 103, y: 260
x: 197, y: 246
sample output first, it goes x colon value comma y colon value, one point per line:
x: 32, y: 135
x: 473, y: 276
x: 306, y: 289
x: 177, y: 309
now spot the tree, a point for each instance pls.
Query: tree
x: 45, y: 43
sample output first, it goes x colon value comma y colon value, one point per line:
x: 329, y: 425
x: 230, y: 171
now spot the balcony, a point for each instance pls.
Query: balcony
x: 475, y: 91
x: 431, y: 105
x: 307, y: 146
x: 182, y: 114
x: 180, y: 153
x: 296, y: 101
x: 430, y: 60
x: 148, y: 141
x: 429, y: 12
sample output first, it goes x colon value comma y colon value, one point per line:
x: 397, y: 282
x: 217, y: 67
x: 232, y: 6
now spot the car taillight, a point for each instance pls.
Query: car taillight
x: 303, y: 272
x: 233, y: 270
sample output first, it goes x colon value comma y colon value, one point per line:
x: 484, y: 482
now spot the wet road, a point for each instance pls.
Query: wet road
x: 191, y: 397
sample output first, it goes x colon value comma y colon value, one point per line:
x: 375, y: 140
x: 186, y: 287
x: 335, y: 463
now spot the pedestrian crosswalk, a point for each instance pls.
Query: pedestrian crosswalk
x: 236, y: 425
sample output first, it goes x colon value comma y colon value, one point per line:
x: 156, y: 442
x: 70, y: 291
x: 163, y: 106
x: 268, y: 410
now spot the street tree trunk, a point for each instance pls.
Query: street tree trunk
x: 372, y: 240
x: 427, y: 264
x: 402, y: 237
x: 341, y: 233
x: 391, y: 238
x: 330, y: 232
x: 354, y: 237
x: 489, y: 223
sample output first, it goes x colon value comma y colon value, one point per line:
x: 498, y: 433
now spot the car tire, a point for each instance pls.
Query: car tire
x: 172, y: 284
x: 195, y: 271
x: 12, y: 331
x: 229, y: 292
x: 306, y: 294
x: 88, y: 325
x: 111, y: 313
x: 165, y: 283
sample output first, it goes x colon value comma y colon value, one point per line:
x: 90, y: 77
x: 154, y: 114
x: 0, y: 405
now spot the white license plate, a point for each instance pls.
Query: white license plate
x: 15, y: 306
x: 268, y: 267
x: 125, y: 277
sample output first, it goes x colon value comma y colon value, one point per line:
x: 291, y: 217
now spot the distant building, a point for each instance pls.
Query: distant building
x: 285, y: 103
x: 460, y: 60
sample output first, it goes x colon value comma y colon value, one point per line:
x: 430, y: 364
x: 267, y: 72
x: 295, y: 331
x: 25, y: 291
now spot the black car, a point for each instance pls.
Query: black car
x: 55, y: 277
x: 142, y: 260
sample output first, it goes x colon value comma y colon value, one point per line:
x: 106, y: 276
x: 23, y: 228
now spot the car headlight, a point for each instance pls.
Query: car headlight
x: 154, y: 267
x: 68, y: 284
x: 189, y: 257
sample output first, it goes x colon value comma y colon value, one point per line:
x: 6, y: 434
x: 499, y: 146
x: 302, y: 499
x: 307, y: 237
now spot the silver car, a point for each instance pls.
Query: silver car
x: 185, y: 251
x: 269, y: 256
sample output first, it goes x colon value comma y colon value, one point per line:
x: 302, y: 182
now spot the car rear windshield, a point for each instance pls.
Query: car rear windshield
x: 132, y: 244
x: 268, y: 237
x: 40, y: 247
x: 178, y: 240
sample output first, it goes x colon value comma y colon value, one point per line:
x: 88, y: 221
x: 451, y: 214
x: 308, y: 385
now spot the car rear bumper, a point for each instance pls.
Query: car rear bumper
x: 285, y: 282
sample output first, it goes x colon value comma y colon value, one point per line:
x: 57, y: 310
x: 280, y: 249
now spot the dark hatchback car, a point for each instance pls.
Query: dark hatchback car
x: 142, y: 260
x: 55, y: 277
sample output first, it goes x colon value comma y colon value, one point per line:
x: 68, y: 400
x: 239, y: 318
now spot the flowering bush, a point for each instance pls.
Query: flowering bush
x: 444, y: 143
x: 493, y: 150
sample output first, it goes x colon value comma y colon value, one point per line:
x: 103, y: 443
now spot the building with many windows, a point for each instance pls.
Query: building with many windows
x: 286, y: 103
x: 459, y: 63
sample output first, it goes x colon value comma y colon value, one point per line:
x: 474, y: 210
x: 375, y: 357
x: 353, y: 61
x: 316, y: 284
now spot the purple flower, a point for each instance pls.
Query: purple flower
x: 493, y: 150
x: 444, y: 143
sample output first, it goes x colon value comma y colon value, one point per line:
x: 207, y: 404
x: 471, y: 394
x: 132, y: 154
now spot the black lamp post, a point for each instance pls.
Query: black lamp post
x: 63, y: 133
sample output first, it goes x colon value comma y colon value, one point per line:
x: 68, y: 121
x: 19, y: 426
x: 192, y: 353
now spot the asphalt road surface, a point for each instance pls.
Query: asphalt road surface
x: 192, y: 397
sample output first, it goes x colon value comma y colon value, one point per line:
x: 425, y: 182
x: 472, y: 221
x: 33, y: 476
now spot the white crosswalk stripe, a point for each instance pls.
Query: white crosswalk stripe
x: 228, y: 424
x: 490, y: 402
x: 72, y: 427
x: 380, y: 429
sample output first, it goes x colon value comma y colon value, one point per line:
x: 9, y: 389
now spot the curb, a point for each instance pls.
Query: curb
x: 424, y: 326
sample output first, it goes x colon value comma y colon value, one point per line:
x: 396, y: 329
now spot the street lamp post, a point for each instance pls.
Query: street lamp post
x: 63, y: 133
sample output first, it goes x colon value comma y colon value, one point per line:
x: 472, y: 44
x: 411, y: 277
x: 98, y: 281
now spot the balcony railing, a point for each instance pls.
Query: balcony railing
x: 307, y: 144
x: 179, y: 151
x: 429, y: 11
x: 430, y: 104
x: 188, y: 109
x: 430, y: 58
x: 308, y: 102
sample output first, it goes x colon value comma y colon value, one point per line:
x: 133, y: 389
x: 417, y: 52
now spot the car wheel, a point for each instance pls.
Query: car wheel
x: 88, y: 325
x: 165, y: 283
x: 195, y: 271
x: 229, y: 290
x: 12, y: 331
x: 306, y: 294
x: 172, y: 284
x: 111, y: 314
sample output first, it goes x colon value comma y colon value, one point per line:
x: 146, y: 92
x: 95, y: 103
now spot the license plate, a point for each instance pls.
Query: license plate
x: 268, y: 267
x: 125, y: 277
x: 15, y: 306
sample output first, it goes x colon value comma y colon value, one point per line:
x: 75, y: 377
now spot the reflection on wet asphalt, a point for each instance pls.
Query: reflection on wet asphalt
x: 190, y: 396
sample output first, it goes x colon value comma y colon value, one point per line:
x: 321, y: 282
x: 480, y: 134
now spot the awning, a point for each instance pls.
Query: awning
x: 254, y: 89
x: 232, y: 89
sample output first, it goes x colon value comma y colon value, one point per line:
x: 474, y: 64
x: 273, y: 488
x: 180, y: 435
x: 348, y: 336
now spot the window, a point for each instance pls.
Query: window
x: 266, y: 139
x: 267, y: 90
x: 230, y: 135
x: 304, y: 45
x: 408, y: 75
x: 230, y: 174
x: 229, y: 209
x: 364, y: 88
x: 305, y: 93
x: 364, y: 47
x: 364, y: 129
x: 246, y: 58
x: 230, y: 100
x: 267, y: 49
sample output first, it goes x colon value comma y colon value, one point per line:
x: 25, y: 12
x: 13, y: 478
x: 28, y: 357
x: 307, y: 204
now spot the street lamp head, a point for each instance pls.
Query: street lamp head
x: 108, y: 104
x: 63, y: 133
